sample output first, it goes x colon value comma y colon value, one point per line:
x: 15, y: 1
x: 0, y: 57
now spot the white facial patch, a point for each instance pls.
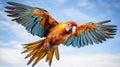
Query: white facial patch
x: 73, y: 29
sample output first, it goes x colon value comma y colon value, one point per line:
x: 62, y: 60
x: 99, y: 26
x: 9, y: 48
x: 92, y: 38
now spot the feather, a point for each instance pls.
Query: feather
x: 31, y: 18
x: 103, y: 22
x: 90, y: 37
x: 78, y: 42
x: 75, y: 43
x: 82, y: 41
x: 18, y: 4
x: 57, y: 53
x: 17, y: 12
x: 34, y: 56
x: 69, y: 41
x: 100, y: 35
x: 84, y: 38
x: 87, y: 38
x: 31, y: 53
x: 94, y: 37
x: 40, y: 56
x: 51, y: 56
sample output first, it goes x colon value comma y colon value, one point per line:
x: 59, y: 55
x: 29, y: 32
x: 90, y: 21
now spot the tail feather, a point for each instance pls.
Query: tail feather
x: 34, y: 44
x: 36, y: 52
x: 57, y: 53
x: 32, y: 58
x: 49, y: 55
x: 40, y: 56
x: 31, y: 53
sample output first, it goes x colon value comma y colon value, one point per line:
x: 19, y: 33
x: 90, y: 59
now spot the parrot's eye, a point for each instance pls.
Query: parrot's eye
x: 68, y: 24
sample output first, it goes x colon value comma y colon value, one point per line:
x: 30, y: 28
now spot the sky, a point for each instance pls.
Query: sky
x: 107, y: 54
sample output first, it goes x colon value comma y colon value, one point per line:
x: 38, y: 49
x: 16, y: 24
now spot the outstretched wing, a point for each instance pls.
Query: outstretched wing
x: 90, y: 33
x: 37, y: 21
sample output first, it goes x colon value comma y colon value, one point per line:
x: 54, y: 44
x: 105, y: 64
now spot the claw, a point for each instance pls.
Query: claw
x: 47, y: 45
x: 54, y: 47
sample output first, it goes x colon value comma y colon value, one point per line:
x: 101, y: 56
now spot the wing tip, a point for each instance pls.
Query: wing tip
x: 106, y: 21
x: 10, y: 2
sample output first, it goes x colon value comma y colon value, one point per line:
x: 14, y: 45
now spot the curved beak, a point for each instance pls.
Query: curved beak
x: 73, y: 29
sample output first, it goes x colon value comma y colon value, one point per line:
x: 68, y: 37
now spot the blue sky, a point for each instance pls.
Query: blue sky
x: 107, y: 54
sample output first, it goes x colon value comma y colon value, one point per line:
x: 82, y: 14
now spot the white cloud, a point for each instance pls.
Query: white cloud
x: 13, y: 58
x: 12, y: 43
x: 75, y: 14
x: 20, y: 31
x: 90, y: 60
x: 110, y: 4
x: 117, y: 5
x: 16, y: 29
x: 86, y: 4
x: 59, y: 1
x: 117, y: 38
x: 0, y: 5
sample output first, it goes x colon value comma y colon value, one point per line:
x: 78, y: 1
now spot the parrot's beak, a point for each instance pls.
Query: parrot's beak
x: 73, y: 29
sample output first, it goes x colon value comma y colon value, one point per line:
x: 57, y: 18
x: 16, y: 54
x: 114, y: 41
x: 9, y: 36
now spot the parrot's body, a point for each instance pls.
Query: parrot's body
x: 38, y: 21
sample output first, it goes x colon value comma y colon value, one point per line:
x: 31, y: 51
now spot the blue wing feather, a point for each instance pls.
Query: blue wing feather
x: 69, y: 41
x: 101, y: 35
x: 87, y: 38
x: 84, y: 38
x: 82, y: 41
x: 23, y: 15
x: 75, y: 43
x: 79, y: 44
x: 95, y: 35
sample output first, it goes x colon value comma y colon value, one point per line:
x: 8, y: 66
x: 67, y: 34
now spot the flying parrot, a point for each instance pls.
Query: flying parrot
x: 38, y: 21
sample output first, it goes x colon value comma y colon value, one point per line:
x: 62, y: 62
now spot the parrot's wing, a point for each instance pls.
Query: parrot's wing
x: 37, y: 21
x: 90, y: 33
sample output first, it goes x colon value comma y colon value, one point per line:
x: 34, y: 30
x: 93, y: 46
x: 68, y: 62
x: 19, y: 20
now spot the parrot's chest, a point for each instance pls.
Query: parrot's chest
x: 56, y: 37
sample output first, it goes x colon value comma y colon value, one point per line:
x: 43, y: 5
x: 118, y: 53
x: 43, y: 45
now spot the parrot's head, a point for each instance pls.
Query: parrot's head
x: 71, y: 27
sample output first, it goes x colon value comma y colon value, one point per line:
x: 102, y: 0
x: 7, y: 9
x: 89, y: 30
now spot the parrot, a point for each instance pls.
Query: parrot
x: 39, y: 22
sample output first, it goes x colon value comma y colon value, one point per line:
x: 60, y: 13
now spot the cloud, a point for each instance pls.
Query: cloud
x: 15, y: 28
x: 110, y: 4
x: 18, y: 34
x: 86, y: 4
x: 75, y: 14
x: 59, y: 1
x: 13, y: 58
x: 117, y: 38
x: 117, y: 5
x: 90, y: 60
x: 1, y: 5
x: 11, y: 43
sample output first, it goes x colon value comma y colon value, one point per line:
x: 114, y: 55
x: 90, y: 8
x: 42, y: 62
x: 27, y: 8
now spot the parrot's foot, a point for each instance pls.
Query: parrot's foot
x: 54, y: 47
x: 47, y: 45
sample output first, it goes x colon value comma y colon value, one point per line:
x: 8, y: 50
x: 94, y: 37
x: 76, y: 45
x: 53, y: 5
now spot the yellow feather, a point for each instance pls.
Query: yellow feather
x: 33, y: 57
x: 34, y: 44
x: 41, y: 55
x: 35, y: 49
x: 51, y: 56
x: 37, y: 12
x: 31, y: 53
x: 48, y: 54
x: 57, y: 53
x: 27, y: 50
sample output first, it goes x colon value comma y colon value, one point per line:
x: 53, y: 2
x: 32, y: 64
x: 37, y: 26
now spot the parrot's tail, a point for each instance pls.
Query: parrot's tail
x: 36, y: 52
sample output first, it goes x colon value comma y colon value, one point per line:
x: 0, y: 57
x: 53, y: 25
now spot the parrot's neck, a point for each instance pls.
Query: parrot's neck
x: 65, y: 32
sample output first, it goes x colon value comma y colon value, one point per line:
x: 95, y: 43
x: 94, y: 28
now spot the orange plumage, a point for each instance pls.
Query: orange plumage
x: 38, y: 21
